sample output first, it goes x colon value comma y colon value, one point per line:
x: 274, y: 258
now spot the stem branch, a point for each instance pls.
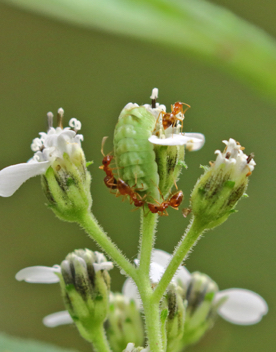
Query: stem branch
x: 189, y: 239
x: 91, y: 226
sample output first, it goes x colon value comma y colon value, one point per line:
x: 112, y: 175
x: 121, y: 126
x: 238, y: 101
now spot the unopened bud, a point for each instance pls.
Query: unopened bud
x: 201, y: 309
x: 124, y: 323
x: 175, y: 317
x: 85, y: 285
x: 66, y: 185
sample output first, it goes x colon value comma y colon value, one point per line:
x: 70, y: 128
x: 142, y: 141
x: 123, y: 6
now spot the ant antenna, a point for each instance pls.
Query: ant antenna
x: 103, y: 142
x: 153, y: 97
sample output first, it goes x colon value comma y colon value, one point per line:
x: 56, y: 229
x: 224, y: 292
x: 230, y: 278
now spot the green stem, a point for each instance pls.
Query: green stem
x: 152, y: 317
x: 188, y: 241
x: 148, y: 225
x: 91, y: 226
x: 99, y: 340
x: 151, y: 309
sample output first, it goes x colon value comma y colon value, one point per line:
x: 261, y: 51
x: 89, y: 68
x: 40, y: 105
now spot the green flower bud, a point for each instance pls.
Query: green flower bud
x: 85, y: 286
x: 66, y: 185
x: 124, y: 323
x: 176, y: 307
x: 218, y: 190
x: 201, y: 309
x: 170, y: 160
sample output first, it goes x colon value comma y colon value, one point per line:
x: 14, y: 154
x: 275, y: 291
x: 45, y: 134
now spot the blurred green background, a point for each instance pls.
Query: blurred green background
x: 46, y: 64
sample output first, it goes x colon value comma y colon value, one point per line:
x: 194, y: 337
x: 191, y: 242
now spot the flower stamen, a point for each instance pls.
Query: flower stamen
x: 50, y: 117
x: 60, y: 115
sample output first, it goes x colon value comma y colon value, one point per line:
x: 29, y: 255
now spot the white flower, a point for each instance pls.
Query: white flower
x: 172, y: 135
x: 234, y: 159
x: 47, y: 149
x: 242, y: 307
x: 51, y: 275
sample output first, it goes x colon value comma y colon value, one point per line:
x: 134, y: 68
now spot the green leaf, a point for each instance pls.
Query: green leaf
x: 15, y: 344
x: 197, y: 27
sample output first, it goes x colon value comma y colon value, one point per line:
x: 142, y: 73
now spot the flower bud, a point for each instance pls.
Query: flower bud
x: 85, y: 286
x: 124, y: 323
x: 218, y: 190
x: 176, y: 316
x: 201, y: 308
x: 66, y: 185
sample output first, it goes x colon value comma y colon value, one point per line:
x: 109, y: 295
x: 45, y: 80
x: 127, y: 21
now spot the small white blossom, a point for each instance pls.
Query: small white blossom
x: 234, y: 159
x: 47, y: 149
x: 75, y: 124
x: 242, y: 307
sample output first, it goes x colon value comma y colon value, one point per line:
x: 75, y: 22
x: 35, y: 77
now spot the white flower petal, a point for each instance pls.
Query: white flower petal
x: 243, y: 307
x: 58, y: 318
x: 163, y: 258
x: 130, y: 290
x: 156, y: 272
x: 196, y: 141
x: 193, y: 141
x: 39, y: 274
x: 103, y: 266
x: 130, y: 346
x: 12, y: 177
x: 175, y: 139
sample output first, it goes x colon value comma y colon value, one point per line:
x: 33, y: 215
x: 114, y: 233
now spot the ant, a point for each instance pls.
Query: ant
x: 109, y: 179
x: 124, y: 189
x: 171, y: 118
x: 174, y: 202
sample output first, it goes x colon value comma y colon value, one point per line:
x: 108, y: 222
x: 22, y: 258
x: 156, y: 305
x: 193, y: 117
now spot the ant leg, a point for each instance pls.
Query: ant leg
x: 157, y: 120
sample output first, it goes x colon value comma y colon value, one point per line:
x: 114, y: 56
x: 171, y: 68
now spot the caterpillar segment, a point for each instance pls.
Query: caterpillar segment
x: 134, y: 154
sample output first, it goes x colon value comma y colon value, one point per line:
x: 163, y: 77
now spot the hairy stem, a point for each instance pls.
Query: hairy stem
x: 188, y: 240
x: 99, y: 340
x: 151, y: 309
x: 148, y: 225
x: 91, y: 226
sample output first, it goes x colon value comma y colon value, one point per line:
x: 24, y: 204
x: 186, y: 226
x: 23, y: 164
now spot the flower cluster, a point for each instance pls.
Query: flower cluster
x: 200, y: 295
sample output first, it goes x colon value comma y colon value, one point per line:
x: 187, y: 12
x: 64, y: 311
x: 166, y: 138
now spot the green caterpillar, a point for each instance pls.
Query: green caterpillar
x: 134, y: 154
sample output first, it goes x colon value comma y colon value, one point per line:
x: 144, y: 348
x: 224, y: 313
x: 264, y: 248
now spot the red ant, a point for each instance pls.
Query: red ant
x: 111, y: 182
x: 170, y: 118
x: 174, y: 202
x: 124, y: 189
x: 109, y: 179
